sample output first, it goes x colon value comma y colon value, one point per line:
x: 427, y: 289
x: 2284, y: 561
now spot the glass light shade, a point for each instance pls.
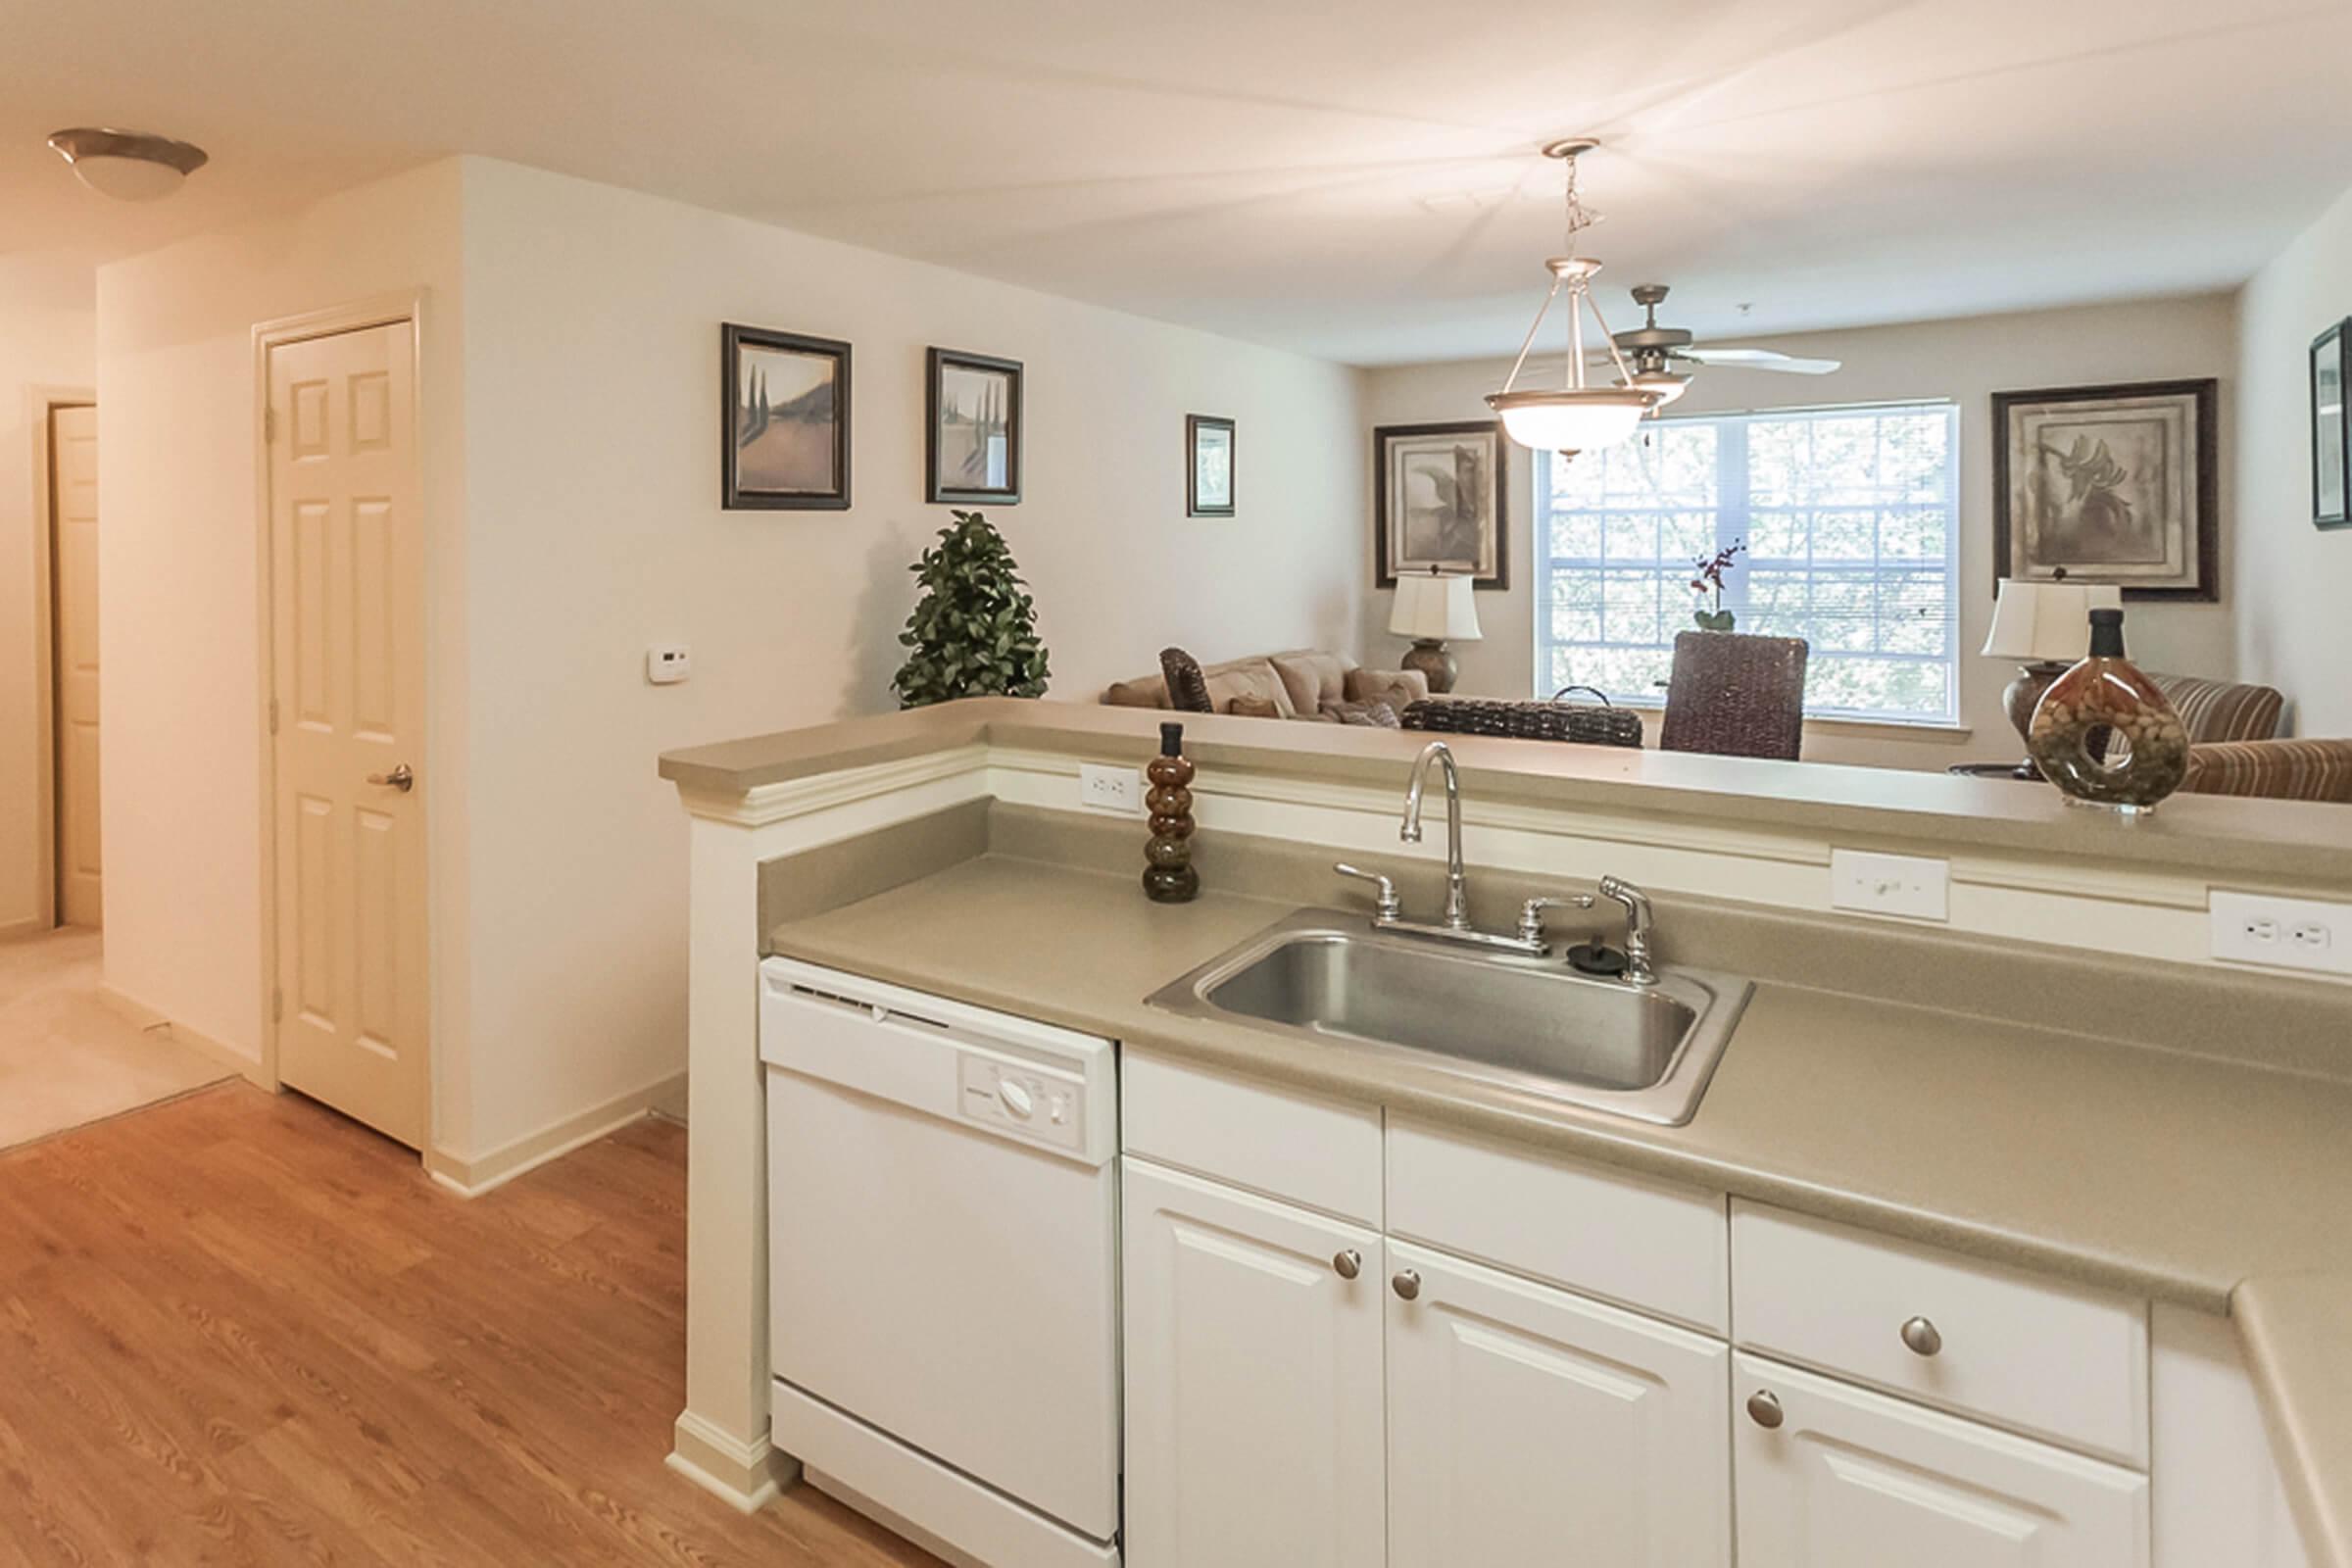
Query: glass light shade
x: 2046, y: 621
x: 129, y: 179
x: 1665, y: 384
x: 1435, y: 604
x: 1577, y: 420
x: 129, y: 166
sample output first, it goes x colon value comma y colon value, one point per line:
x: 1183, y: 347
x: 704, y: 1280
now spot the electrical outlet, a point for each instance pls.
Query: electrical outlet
x: 1111, y: 789
x: 1907, y: 885
x: 2281, y: 933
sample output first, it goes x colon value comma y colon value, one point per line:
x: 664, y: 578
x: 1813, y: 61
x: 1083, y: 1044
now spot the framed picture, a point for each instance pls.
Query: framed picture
x: 972, y: 446
x: 2110, y: 485
x: 1439, y: 501
x: 1208, y: 466
x: 2330, y: 430
x: 786, y: 441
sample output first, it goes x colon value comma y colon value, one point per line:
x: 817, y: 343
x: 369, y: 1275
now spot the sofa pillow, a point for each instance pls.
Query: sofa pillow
x: 1247, y: 677
x: 1248, y: 706
x: 1188, y: 688
x: 1398, y: 688
x: 1145, y: 691
x: 1312, y: 678
x: 1378, y: 715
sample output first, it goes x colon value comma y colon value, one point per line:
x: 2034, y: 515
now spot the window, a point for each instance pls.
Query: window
x: 1848, y: 515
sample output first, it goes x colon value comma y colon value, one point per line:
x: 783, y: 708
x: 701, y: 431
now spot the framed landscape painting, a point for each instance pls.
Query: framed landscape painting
x: 786, y: 441
x: 1208, y: 466
x: 2330, y: 430
x: 2111, y: 485
x: 1439, y: 501
x: 972, y: 446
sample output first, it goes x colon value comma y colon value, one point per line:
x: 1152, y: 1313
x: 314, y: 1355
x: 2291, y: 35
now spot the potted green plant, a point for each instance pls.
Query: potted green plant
x: 973, y: 632
x: 1711, y: 615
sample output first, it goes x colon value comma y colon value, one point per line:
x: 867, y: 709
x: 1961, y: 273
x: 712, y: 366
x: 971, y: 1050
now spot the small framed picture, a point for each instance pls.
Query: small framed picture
x: 2111, y: 485
x: 972, y: 448
x: 2330, y: 430
x: 785, y: 445
x: 1209, y: 470
x: 1439, y: 501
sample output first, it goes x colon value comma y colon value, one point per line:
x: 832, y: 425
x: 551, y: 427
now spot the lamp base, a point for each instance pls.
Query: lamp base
x: 1435, y: 661
x: 2023, y: 695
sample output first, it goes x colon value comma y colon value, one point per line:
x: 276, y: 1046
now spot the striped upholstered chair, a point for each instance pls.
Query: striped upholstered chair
x: 2231, y: 748
x: 2221, y: 710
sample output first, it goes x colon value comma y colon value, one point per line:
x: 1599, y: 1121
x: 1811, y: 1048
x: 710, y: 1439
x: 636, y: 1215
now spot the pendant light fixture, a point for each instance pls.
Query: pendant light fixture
x: 1574, y: 417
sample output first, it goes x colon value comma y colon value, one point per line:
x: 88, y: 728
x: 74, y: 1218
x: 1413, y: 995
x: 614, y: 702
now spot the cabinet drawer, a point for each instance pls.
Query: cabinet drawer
x: 1324, y: 1154
x: 1827, y: 1473
x: 1649, y: 1245
x: 2055, y: 1360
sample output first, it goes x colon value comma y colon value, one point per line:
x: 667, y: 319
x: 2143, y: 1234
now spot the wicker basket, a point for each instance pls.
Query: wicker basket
x: 1573, y: 723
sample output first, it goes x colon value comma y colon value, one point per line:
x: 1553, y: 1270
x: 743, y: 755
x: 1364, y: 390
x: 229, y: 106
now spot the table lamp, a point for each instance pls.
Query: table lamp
x: 1431, y: 607
x: 2045, y: 626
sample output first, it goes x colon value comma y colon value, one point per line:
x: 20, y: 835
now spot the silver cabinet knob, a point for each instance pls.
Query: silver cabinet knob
x: 399, y: 779
x: 1764, y: 1409
x: 1349, y: 1264
x: 1921, y: 1336
x: 1407, y: 1284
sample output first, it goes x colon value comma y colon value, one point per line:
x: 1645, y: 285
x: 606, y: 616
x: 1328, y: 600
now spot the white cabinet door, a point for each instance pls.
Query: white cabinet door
x: 1849, y: 1479
x: 1527, y: 1425
x: 1253, y: 1381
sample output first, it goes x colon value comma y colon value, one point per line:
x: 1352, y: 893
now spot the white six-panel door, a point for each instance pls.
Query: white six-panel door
x: 1527, y: 1425
x: 1252, y: 1381
x: 1850, y: 1479
x: 347, y: 573
x: 74, y: 568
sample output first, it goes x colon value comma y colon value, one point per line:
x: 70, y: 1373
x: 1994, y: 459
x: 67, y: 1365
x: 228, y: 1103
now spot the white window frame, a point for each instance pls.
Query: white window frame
x: 1732, y: 523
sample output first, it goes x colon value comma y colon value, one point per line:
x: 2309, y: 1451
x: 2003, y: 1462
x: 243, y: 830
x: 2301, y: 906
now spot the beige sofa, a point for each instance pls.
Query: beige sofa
x: 1310, y: 683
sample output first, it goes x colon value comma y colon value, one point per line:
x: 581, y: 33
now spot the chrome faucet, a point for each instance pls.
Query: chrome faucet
x: 1457, y: 887
x: 1639, y: 970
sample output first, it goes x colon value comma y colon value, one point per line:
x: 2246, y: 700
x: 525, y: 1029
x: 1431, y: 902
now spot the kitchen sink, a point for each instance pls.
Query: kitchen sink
x: 1531, y: 1029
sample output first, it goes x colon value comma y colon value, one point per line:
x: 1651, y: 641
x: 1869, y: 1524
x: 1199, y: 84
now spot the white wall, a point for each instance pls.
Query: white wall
x: 2293, y: 628
x: 180, y: 638
x: 593, y: 408
x: 1967, y: 361
x: 47, y: 342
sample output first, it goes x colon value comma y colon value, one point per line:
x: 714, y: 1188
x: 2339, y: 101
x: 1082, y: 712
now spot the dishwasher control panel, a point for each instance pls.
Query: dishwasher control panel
x: 1022, y: 1099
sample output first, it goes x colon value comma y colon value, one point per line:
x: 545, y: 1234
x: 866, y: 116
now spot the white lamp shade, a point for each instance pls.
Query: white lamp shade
x: 2033, y: 621
x: 1432, y: 605
x: 129, y: 179
x: 1579, y: 420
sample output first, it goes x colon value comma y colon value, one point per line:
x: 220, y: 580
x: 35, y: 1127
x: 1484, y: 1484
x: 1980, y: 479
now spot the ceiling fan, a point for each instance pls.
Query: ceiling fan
x: 1662, y: 357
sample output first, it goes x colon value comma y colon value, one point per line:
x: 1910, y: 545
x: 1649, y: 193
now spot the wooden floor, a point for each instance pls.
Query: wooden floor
x: 236, y: 1329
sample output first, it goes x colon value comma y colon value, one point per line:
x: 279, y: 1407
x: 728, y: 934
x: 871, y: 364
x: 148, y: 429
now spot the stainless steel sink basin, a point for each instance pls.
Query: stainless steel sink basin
x: 1533, y: 1029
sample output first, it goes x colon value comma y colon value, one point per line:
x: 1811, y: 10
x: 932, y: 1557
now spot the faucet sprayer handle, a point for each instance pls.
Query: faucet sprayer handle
x: 1386, y: 906
x: 1531, y: 913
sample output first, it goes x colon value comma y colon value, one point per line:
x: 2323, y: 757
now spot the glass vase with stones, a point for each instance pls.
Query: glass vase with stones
x: 1168, y: 875
x: 2103, y: 733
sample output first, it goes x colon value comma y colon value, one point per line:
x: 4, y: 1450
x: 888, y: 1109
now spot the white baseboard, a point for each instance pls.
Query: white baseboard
x: 472, y: 1177
x: 746, y: 1475
x: 143, y: 1017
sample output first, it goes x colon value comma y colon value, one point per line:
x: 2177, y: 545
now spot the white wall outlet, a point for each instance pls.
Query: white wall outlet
x: 1907, y: 885
x: 667, y: 663
x: 2283, y: 933
x: 1111, y: 789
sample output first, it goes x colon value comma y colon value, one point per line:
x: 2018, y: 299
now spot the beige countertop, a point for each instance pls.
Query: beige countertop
x: 2207, y: 1183
x: 2300, y: 842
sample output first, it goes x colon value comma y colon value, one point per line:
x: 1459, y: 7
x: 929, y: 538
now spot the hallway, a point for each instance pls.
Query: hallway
x: 66, y: 1057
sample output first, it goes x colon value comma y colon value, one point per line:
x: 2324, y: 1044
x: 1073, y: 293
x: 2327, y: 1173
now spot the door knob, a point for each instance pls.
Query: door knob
x: 1407, y: 1284
x: 401, y: 778
x: 1764, y: 1409
x: 1349, y: 1264
x: 1921, y: 1336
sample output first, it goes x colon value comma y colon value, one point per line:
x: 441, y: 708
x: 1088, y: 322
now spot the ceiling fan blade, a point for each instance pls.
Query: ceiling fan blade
x: 1760, y: 360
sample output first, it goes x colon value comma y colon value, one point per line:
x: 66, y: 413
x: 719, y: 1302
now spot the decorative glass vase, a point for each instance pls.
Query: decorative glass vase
x: 1168, y: 875
x: 2104, y: 734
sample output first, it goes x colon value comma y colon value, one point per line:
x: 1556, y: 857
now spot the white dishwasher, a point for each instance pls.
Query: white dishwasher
x: 943, y: 1300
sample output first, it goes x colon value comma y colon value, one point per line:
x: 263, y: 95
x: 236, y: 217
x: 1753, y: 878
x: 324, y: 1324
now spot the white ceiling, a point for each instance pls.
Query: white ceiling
x: 1353, y: 177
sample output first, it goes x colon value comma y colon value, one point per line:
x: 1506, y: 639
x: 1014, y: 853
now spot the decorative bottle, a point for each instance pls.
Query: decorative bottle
x: 2104, y: 734
x: 1168, y: 875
